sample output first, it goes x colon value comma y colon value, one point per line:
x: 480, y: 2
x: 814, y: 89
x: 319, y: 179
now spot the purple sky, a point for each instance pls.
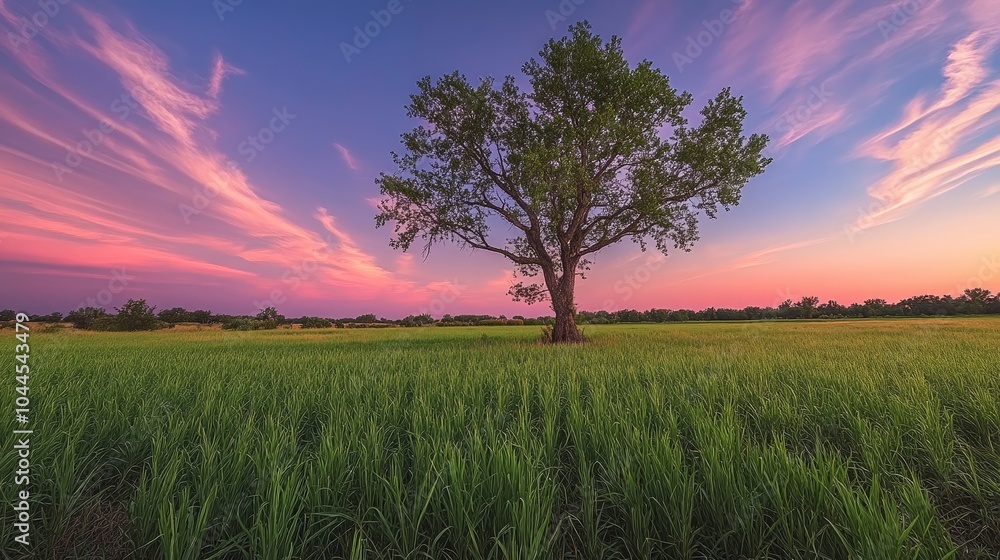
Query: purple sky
x: 214, y: 156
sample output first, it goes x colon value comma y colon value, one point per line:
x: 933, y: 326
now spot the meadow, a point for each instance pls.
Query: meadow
x: 873, y: 439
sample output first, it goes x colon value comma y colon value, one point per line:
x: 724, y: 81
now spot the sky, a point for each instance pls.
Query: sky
x: 222, y: 154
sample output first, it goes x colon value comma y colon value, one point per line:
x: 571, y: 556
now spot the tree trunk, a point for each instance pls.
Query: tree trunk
x: 565, y: 330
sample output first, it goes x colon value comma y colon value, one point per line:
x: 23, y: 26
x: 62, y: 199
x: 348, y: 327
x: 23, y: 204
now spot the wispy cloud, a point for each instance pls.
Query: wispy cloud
x: 119, y: 203
x: 941, y: 142
x: 651, y: 20
x: 789, y: 49
x: 220, y: 69
x: 349, y: 159
x: 770, y: 254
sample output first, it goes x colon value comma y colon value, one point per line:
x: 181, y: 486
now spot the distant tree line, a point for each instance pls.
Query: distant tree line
x: 137, y: 315
x: 973, y: 302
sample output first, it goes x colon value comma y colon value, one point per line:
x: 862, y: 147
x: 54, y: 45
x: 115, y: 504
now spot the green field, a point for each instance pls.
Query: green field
x: 849, y: 439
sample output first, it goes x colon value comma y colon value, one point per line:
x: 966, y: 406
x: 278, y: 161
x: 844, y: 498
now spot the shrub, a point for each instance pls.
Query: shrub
x: 201, y: 316
x: 50, y: 318
x: 175, y: 315
x: 270, y: 314
x: 136, y: 315
x: 84, y: 317
x: 104, y: 323
x: 316, y: 323
x: 247, y: 324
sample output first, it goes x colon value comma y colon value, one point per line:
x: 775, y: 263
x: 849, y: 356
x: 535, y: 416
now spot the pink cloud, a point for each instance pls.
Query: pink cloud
x: 348, y: 157
x: 923, y: 145
x: 404, y: 264
x: 793, y: 49
x: 220, y: 69
x: 503, y: 282
x: 821, y: 123
x: 768, y: 255
x: 985, y: 14
x: 122, y: 200
x: 357, y: 262
x: 652, y: 20
x: 808, y: 43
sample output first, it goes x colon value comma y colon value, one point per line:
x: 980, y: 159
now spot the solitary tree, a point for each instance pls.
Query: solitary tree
x: 594, y: 153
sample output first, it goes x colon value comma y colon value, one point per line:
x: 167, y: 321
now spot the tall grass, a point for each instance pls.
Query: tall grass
x: 869, y: 439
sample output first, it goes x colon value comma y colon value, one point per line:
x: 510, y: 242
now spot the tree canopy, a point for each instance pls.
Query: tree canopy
x: 595, y: 152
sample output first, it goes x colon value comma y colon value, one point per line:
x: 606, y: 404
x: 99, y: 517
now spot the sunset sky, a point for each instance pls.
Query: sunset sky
x: 127, y: 168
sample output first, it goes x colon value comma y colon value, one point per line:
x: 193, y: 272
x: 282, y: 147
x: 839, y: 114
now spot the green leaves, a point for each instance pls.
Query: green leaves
x: 594, y: 152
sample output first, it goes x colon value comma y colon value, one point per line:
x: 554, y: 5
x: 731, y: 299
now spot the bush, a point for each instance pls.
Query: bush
x: 104, y: 323
x: 515, y: 322
x: 50, y: 318
x: 417, y: 320
x: 247, y: 324
x: 175, y: 315
x: 136, y: 315
x: 491, y: 323
x: 201, y: 316
x: 270, y: 314
x: 316, y: 323
x: 84, y: 317
x: 368, y: 325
